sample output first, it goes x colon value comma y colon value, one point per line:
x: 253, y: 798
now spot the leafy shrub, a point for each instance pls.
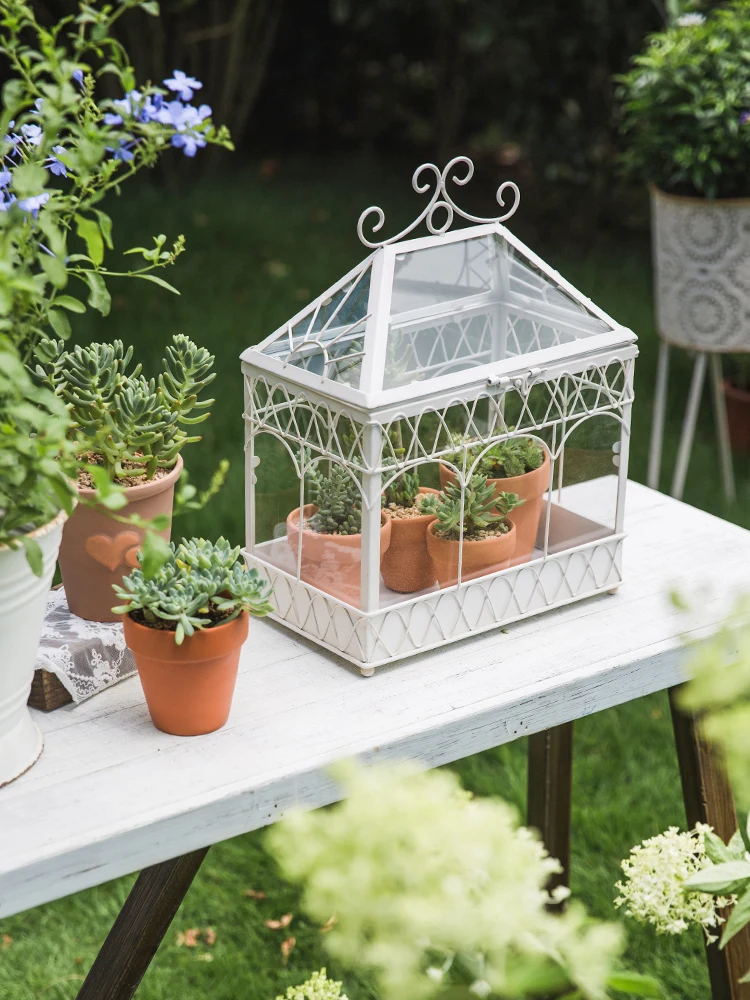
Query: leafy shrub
x: 122, y: 417
x: 200, y: 585
x: 35, y: 453
x: 504, y: 460
x: 684, y: 102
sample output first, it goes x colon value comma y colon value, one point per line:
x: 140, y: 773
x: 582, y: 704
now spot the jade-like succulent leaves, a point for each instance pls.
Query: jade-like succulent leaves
x: 338, y: 500
x: 121, y: 416
x: 199, y: 579
x: 504, y: 460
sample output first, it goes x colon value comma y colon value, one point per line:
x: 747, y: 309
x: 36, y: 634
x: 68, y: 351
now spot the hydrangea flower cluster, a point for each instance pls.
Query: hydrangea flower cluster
x: 447, y: 893
x: 653, y: 891
x: 317, y: 987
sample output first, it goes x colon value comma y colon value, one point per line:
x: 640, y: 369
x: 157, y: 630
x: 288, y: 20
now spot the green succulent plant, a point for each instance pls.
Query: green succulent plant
x: 504, y: 460
x: 482, y: 508
x: 121, y: 416
x: 200, y: 585
x: 403, y: 491
x: 338, y: 500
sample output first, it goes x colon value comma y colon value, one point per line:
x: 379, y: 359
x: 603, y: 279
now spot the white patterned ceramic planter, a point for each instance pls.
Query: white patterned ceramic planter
x: 701, y: 252
x: 23, y: 599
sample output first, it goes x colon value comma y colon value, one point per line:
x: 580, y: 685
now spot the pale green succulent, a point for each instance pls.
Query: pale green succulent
x: 120, y: 416
x: 338, y: 500
x: 201, y: 584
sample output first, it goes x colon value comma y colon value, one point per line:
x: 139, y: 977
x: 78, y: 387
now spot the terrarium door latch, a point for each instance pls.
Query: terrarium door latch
x: 521, y: 382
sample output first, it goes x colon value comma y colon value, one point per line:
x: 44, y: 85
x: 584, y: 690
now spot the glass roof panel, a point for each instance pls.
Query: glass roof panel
x: 328, y: 339
x: 456, y: 306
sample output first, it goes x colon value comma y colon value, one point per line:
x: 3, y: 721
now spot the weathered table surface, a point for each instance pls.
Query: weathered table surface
x: 111, y: 794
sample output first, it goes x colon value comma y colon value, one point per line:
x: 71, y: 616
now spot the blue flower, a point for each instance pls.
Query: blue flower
x: 112, y: 119
x: 745, y: 117
x: 183, y: 85
x: 6, y: 200
x: 189, y: 142
x: 123, y: 153
x: 32, y: 134
x: 5, y: 178
x: 56, y: 166
x: 38, y: 103
x: 134, y: 105
x: 34, y: 203
x: 77, y: 75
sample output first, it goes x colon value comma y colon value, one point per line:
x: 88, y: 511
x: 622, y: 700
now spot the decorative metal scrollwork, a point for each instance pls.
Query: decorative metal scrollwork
x: 439, y: 200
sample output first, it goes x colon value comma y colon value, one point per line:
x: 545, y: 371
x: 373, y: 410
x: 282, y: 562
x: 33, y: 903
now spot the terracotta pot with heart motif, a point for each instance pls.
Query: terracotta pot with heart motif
x: 97, y: 551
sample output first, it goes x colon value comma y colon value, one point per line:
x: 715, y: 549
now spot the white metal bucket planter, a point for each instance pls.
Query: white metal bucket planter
x: 23, y: 599
x: 448, y: 344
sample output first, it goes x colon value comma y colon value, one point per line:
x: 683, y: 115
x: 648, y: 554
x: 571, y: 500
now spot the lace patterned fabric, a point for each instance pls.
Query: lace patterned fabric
x: 86, y: 657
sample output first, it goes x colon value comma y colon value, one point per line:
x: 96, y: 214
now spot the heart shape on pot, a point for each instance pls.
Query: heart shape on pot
x: 111, y: 551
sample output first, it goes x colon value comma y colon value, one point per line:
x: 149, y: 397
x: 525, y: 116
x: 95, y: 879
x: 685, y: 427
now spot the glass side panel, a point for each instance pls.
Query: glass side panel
x: 459, y: 305
x: 329, y: 337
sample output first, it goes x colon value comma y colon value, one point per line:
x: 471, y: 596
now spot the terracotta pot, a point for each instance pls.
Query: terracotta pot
x: 98, y: 551
x: 188, y: 688
x: 479, y: 558
x: 738, y: 415
x: 332, y: 563
x: 531, y: 487
x: 406, y: 565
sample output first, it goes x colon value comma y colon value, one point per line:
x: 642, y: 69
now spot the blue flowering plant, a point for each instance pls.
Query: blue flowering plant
x: 66, y: 146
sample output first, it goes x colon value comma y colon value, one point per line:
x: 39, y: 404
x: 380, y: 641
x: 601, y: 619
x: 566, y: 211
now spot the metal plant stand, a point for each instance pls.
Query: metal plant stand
x: 702, y: 359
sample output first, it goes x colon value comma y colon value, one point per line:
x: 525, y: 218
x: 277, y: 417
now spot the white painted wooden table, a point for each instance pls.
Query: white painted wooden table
x: 112, y: 795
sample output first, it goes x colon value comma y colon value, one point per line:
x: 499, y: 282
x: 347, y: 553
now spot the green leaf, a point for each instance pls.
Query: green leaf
x: 90, y: 233
x: 99, y: 298
x: 33, y: 555
x: 55, y: 270
x: 635, y: 983
x: 151, y: 7
x: 105, y: 224
x: 157, y: 281
x: 160, y: 522
x: 738, y: 918
x: 69, y: 303
x: 154, y: 553
x: 29, y: 179
x: 719, y: 878
x: 59, y: 323
x: 718, y: 852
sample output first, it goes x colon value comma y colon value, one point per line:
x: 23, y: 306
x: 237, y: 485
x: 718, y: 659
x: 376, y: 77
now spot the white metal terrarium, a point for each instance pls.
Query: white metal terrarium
x: 424, y: 361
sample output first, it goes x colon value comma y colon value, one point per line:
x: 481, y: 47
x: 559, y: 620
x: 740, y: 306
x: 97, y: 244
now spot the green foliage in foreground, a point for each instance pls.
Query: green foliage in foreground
x: 683, y: 104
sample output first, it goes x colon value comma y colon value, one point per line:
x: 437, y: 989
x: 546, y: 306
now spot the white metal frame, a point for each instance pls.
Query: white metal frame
x: 589, y: 377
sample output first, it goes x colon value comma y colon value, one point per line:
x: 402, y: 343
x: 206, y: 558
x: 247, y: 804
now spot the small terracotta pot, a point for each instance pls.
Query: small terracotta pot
x: 406, y: 565
x: 188, y: 688
x: 738, y: 416
x: 489, y: 555
x: 97, y: 551
x: 332, y: 563
x: 531, y: 487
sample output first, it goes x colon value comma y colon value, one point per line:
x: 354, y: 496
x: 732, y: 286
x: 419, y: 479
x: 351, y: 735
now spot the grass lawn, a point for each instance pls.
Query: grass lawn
x: 258, y: 249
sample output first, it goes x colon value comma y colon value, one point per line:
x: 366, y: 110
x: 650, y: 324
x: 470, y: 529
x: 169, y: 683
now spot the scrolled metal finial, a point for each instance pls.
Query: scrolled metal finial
x: 439, y: 200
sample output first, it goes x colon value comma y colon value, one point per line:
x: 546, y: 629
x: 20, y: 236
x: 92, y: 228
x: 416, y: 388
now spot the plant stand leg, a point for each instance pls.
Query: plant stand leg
x: 722, y: 427
x: 688, y: 426
x: 660, y: 409
x: 139, y: 928
x: 550, y: 785
x: 708, y: 799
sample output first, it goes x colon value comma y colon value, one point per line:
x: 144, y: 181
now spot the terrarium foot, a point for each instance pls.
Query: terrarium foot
x: 613, y: 590
x: 367, y: 671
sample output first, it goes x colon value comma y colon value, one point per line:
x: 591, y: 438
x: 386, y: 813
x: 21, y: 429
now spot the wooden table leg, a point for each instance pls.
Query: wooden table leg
x: 550, y: 779
x: 139, y: 928
x: 708, y: 799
